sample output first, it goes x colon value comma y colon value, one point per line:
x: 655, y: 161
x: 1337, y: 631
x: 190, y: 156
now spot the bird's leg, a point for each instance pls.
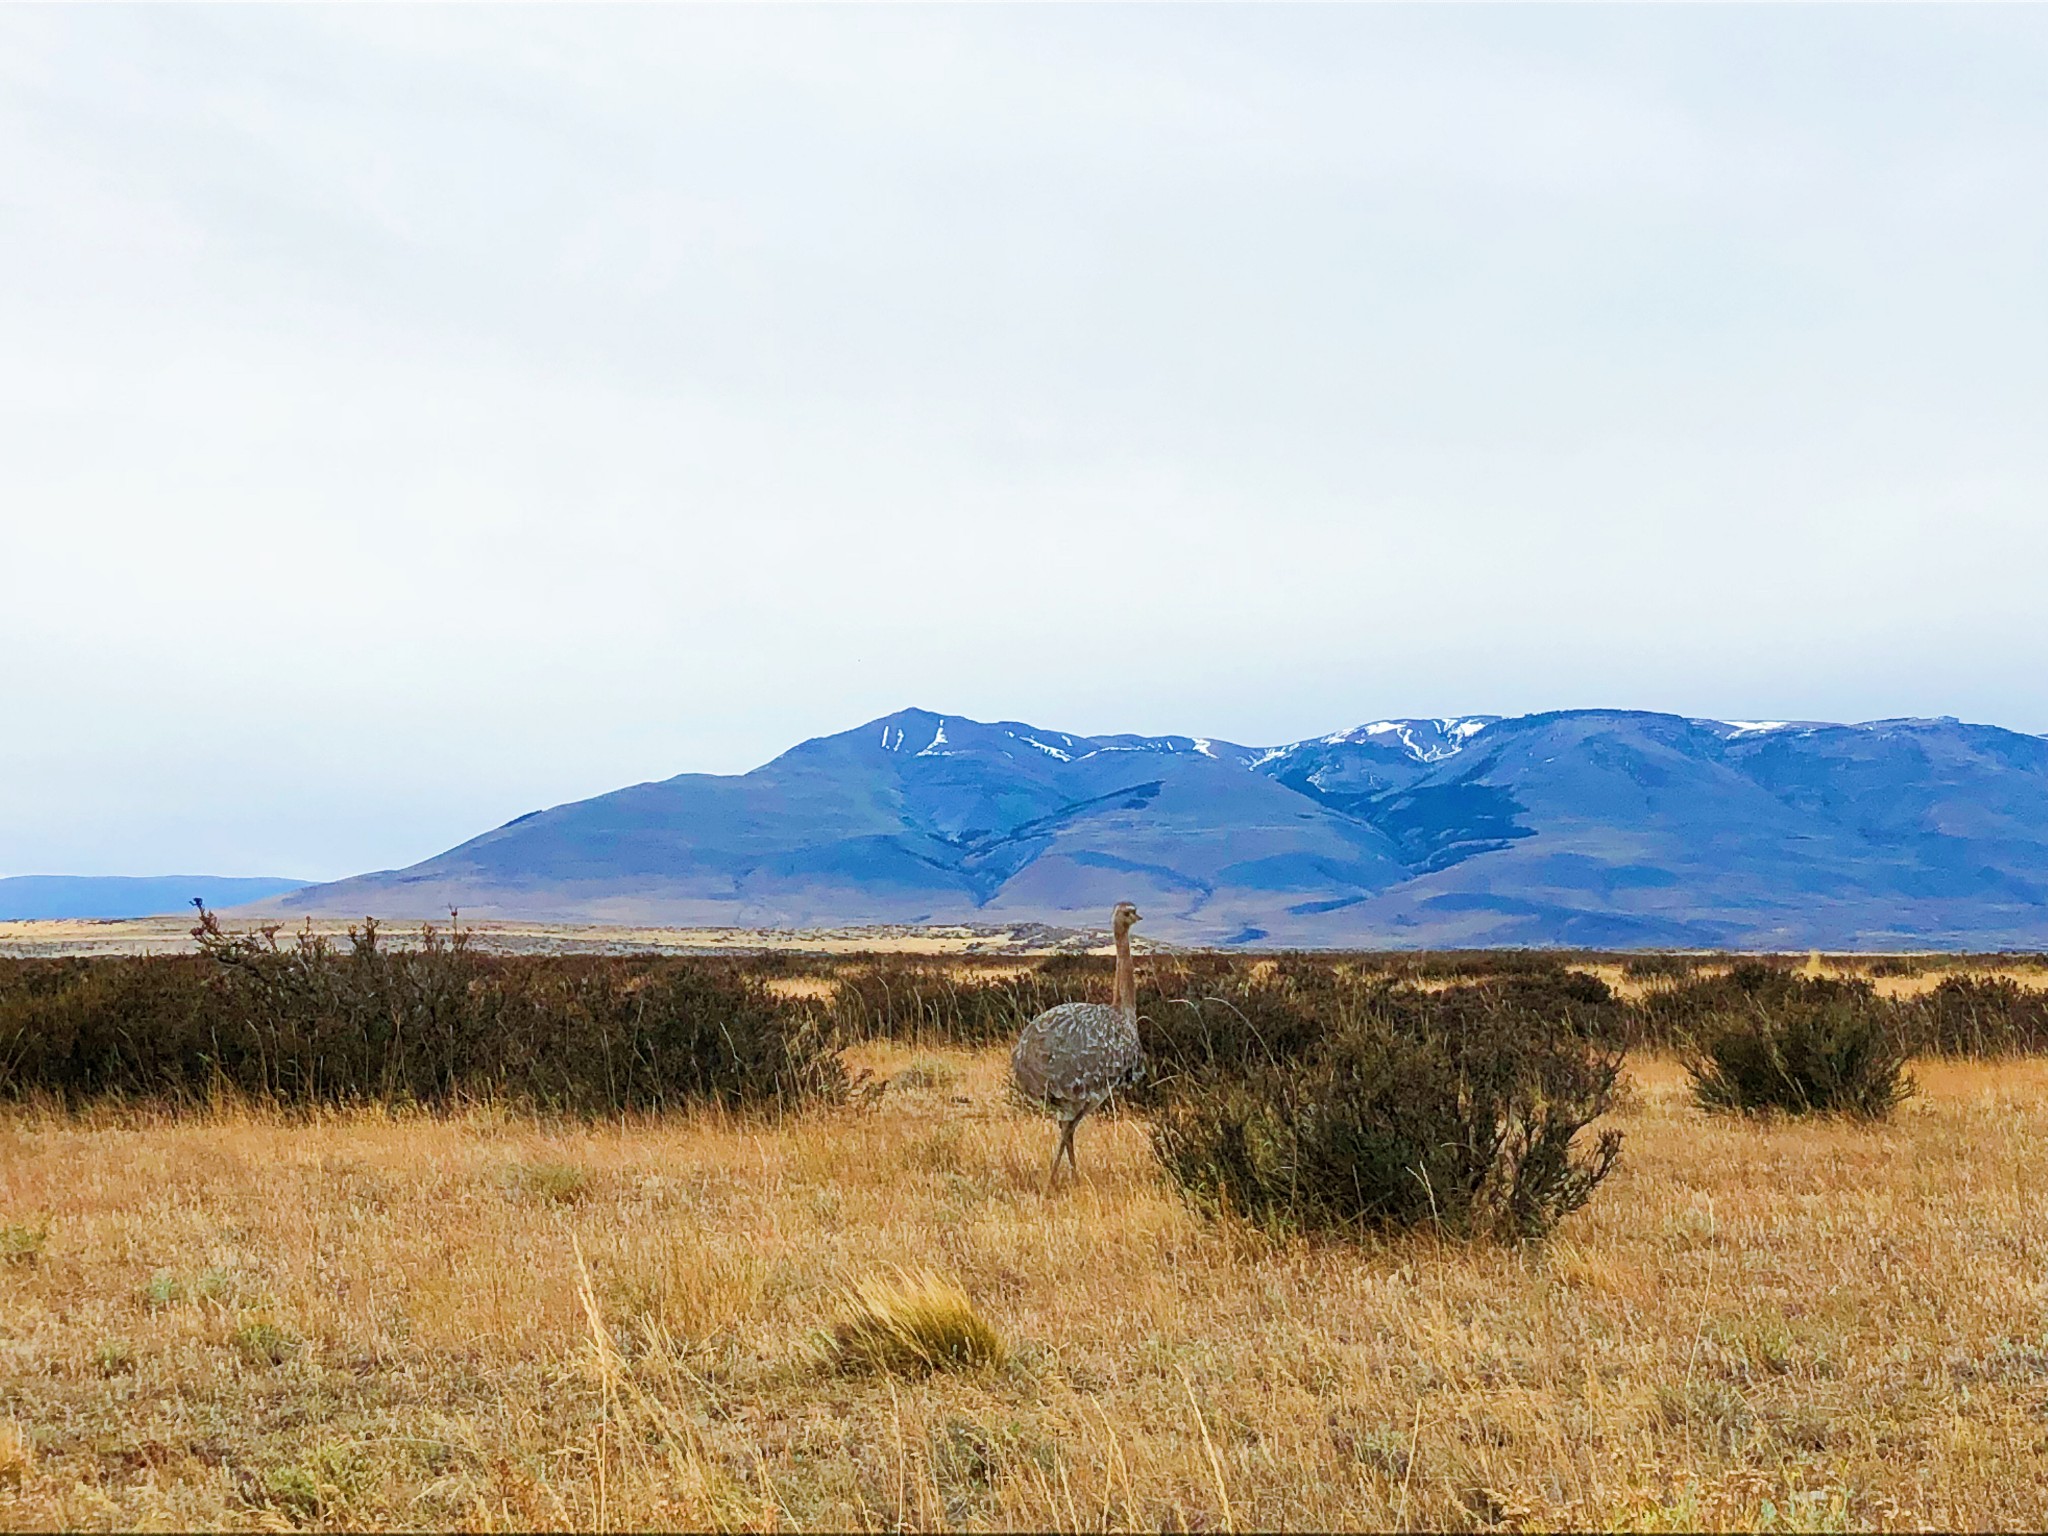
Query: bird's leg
x: 1067, y: 1146
x: 1052, y: 1173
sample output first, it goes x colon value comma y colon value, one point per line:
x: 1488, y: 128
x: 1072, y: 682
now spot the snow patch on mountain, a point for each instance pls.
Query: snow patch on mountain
x: 1033, y: 741
x: 1426, y: 741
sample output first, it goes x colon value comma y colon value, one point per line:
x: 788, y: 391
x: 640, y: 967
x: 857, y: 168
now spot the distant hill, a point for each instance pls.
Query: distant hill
x: 47, y: 896
x: 1589, y: 827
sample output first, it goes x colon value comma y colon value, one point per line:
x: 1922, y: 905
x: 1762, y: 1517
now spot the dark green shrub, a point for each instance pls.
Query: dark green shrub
x: 918, y: 1003
x: 1072, y: 967
x: 1196, y: 1028
x: 1669, y: 1017
x: 1407, y: 1111
x: 1812, y: 1046
x: 1236, y: 1023
x: 307, y: 1023
x: 921, y: 1002
x: 1660, y: 967
x: 1576, y: 1000
x: 1483, y: 964
x: 1978, y: 1016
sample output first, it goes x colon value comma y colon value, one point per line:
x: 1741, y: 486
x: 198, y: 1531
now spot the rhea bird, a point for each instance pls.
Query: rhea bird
x: 1071, y: 1058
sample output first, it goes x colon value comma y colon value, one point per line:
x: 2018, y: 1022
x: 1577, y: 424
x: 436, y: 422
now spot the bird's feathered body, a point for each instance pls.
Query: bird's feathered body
x: 1071, y: 1058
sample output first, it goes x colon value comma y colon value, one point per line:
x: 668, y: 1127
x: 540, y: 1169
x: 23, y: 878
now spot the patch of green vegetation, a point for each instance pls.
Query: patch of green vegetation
x: 294, y: 1488
x: 23, y: 1244
x: 1416, y: 1110
x: 435, y: 1024
x: 262, y: 1342
x: 557, y: 1183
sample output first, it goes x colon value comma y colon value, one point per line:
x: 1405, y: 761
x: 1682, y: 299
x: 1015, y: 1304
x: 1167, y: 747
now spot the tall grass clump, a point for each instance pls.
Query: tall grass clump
x: 1802, y: 1046
x: 913, y: 1322
x: 1410, y: 1109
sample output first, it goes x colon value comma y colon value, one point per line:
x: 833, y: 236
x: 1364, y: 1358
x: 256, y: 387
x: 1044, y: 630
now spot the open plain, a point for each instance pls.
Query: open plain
x: 171, y: 934
x: 256, y: 1319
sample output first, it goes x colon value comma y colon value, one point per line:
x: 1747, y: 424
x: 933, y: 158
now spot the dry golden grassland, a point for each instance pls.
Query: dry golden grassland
x: 490, y: 1321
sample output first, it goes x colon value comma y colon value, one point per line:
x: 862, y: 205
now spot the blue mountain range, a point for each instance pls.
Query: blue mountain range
x: 1608, y: 828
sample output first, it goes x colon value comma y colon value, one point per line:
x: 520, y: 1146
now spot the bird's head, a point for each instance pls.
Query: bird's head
x: 1124, y: 917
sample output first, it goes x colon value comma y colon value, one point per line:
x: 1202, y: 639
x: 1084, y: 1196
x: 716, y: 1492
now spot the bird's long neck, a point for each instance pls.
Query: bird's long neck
x: 1126, y: 975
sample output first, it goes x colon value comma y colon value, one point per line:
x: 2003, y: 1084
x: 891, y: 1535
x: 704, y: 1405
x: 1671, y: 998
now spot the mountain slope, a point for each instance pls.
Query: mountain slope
x: 1618, y: 828
x: 1586, y: 826
x: 913, y: 818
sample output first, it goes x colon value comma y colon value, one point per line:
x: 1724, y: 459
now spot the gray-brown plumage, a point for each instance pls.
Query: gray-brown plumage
x: 1073, y: 1057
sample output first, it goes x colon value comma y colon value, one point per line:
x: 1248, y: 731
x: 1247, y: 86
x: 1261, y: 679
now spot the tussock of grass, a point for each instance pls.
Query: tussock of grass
x: 558, y: 1183
x: 17, y: 1454
x: 912, y: 1323
x: 924, y: 1072
x: 262, y: 1342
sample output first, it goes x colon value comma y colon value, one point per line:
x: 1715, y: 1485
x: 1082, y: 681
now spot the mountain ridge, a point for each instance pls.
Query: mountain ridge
x: 1618, y: 828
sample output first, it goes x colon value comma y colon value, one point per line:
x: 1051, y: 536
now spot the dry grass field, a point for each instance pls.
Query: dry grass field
x: 487, y: 1321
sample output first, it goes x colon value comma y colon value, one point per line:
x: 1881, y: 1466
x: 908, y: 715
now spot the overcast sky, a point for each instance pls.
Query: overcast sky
x: 411, y: 418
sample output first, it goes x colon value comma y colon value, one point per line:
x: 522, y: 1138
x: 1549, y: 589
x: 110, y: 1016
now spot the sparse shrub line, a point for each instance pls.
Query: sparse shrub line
x: 300, y: 1019
x: 309, y: 1023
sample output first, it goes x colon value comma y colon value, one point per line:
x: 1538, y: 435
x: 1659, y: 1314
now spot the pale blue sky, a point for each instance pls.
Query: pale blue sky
x: 410, y: 418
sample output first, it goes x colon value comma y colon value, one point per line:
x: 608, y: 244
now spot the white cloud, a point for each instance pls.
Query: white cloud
x: 409, y: 417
